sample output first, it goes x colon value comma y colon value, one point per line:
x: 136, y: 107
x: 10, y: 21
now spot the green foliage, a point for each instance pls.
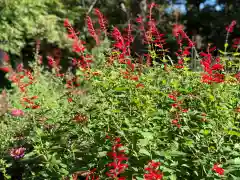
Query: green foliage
x: 58, y: 146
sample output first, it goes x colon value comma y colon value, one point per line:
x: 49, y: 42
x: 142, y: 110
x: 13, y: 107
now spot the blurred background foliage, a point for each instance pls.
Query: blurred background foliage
x: 25, y: 21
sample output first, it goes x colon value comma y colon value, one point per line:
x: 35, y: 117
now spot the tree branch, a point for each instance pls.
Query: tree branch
x: 91, y: 7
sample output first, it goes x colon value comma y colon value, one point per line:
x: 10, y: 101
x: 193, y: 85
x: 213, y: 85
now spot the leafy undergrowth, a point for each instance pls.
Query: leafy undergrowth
x: 122, y: 121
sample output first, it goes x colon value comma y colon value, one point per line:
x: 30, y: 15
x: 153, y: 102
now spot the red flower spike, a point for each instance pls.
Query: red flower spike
x: 229, y: 28
x: 152, y: 171
x: 117, y: 166
x: 101, y: 20
x: 91, y: 29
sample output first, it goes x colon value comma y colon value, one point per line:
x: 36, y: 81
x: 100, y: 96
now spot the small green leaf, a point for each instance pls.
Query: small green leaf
x: 233, y: 133
x: 205, y: 132
x: 236, y: 54
x: 173, y: 177
x: 235, y: 161
x: 143, y: 142
x: 86, y: 130
x: 177, y: 153
x: 224, y: 53
x: 211, y: 97
x: 120, y: 89
x: 102, y: 154
x: 144, y: 151
x: 147, y: 135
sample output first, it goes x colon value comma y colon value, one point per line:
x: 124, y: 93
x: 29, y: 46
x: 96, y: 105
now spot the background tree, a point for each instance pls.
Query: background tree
x: 25, y: 21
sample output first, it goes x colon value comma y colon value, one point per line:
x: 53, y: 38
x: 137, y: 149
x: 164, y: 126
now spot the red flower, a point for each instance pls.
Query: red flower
x: 218, y: 169
x: 153, y: 172
x: 91, y: 29
x: 217, y: 67
x: 5, y: 69
x: 231, y: 26
x: 177, y: 28
x: 91, y: 175
x: 117, y: 165
x: 80, y: 118
x: 134, y: 78
x: 175, y: 122
x: 101, y: 20
x: 119, y: 41
x: 173, y: 97
x: 185, y: 110
x: 95, y: 73
x: 130, y: 65
x: 206, y: 78
x: 237, y: 76
x: 186, y: 51
x: 17, y: 153
x: 139, y: 19
x: 66, y: 23
x: 6, y: 57
x: 140, y: 85
x: 213, y: 77
x: 174, y: 105
x: 35, y: 107
x: 17, y: 112
x: 236, y: 43
x: 78, y: 47
x: 152, y: 5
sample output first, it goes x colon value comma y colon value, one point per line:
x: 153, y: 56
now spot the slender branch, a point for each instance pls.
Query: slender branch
x: 91, y: 7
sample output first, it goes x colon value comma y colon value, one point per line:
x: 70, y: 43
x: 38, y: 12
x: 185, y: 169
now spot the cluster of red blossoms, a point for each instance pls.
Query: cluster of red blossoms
x: 118, y: 165
x: 218, y: 169
x: 17, y: 78
x: 178, y: 105
x: 153, y: 172
x: 181, y: 36
x: 17, y: 153
x: 211, y: 72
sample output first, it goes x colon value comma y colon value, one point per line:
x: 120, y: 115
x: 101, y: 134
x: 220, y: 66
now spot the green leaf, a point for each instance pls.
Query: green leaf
x: 102, y: 154
x: 211, y: 97
x: 177, y: 153
x: 236, y: 54
x: 127, y: 122
x: 147, y: 135
x: 222, y: 52
x: 79, y: 73
x: 233, y: 133
x: 143, y: 142
x: 64, y: 171
x: 120, y: 89
x: 237, y: 146
x: 173, y: 177
x: 144, y: 151
x: 235, y: 161
x: 205, y: 131
x: 85, y: 129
